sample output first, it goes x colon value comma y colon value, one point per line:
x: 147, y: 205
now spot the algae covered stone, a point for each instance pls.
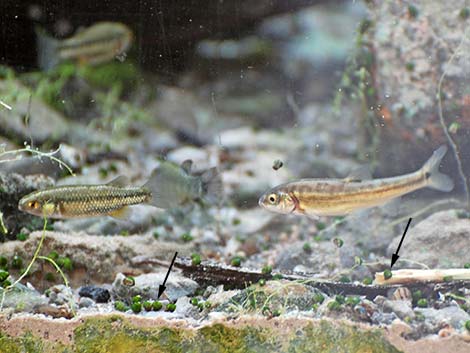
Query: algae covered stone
x: 122, y: 333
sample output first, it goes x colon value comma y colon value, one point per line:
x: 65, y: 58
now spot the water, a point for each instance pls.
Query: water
x: 267, y: 93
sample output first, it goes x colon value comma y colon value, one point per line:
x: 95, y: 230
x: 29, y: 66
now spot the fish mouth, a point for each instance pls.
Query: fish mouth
x: 261, y: 200
x: 21, y: 205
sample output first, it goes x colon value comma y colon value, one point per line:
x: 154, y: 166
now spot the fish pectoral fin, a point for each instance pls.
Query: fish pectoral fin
x: 310, y: 215
x: 119, y: 181
x: 359, y: 174
x: 122, y: 213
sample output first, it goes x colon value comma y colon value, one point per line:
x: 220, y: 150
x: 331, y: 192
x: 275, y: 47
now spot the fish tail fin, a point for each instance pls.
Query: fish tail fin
x: 47, y: 47
x: 161, y: 184
x: 435, y: 179
x: 212, y: 187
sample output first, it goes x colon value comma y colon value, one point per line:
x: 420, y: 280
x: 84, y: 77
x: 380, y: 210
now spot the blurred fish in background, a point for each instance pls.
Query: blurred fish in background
x: 94, y: 45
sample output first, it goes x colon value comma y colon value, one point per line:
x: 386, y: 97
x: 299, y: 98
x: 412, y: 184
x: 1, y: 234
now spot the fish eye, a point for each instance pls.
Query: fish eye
x: 272, y: 198
x: 33, y: 204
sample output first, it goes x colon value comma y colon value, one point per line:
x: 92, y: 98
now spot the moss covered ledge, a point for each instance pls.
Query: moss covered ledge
x: 125, y: 333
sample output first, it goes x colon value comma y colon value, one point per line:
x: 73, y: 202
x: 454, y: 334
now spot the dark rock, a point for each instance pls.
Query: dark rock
x: 98, y: 294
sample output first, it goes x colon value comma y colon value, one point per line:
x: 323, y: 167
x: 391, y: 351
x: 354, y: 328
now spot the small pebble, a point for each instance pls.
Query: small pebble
x: 98, y: 294
x: 86, y: 302
x: 277, y: 164
x: 402, y: 293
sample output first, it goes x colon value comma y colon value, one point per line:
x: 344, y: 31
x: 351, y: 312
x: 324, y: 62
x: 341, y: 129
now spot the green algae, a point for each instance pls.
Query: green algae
x: 29, y: 343
x: 328, y: 338
x: 116, y: 334
x: 220, y: 338
x: 111, y: 74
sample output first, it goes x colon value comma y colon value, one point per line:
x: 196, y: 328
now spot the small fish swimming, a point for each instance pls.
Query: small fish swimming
x: 334, y: 197
x: 96, y: 44
x: 169, y: 186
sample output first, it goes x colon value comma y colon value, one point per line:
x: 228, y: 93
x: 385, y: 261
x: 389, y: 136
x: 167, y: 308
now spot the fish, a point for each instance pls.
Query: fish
x: 339, y: 197
x: 94, y: 45
x: 169, y: 186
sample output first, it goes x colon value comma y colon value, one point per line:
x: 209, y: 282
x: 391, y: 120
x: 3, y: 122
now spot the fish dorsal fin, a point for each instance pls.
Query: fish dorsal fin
x: 122, y: 213
x: 359, y: 174
x: 119, y: 181
x: 187, y: 166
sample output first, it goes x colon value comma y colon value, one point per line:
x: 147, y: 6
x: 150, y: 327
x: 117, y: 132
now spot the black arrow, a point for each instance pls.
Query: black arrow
x: 162, y: 287
x: 395, y: 256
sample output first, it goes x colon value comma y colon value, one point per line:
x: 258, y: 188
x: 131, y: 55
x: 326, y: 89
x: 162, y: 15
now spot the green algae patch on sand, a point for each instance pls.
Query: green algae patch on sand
x: 329, y: 337
x: 220, y: 338
x: 28, y: 343
x: 126, y: 334
x: 116, y: 334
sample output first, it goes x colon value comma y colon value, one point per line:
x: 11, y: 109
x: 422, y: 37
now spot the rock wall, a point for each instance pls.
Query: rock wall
x: 420, y: 50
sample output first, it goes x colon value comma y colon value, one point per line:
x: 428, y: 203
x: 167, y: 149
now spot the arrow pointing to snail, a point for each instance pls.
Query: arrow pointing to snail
x: 395, y: 256
x: 162, y: 286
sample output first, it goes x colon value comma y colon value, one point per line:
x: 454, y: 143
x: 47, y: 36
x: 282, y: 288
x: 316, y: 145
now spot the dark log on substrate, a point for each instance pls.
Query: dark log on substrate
x: 419, y: 62
x: 166, y: 30
x: 215, y: 274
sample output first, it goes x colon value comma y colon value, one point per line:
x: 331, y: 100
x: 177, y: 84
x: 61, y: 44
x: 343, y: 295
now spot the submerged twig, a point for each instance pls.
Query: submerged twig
x: 452, y: 143
x: 33, y: 260
x: 58, y: 269
x: 25, y: 273
x: 5, y: 105
x: 415, y: 276
x: 29, y: 149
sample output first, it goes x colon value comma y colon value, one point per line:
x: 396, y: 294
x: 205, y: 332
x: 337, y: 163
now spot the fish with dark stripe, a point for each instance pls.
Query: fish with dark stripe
x: 169, y: 186
x: 96, y: 44
x: 333, y: 197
